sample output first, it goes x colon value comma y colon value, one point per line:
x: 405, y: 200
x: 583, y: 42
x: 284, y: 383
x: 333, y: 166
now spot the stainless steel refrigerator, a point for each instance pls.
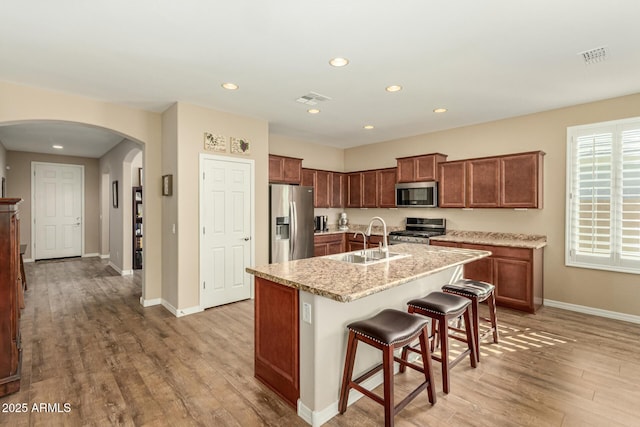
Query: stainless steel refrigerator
x: 291, y: 223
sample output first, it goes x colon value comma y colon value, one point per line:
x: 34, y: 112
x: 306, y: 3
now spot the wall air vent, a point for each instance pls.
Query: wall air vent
x: 312, y: 98
x: 594, y: 55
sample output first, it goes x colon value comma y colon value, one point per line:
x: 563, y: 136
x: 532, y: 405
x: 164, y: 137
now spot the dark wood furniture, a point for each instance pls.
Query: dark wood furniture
x: 477, y: 292
x: 10, y: 295
x: 515, y: 272
x: 338, y: 191
x: 509, y: 181
x: 276, y: 328
x: 137, y: 216
x: 372, y: 189
x: 387, y: 331
x: 285, y: 170
x: 328, y: 244
x: 441, y: 307
x: 419, y: 168
x: 354, y: 190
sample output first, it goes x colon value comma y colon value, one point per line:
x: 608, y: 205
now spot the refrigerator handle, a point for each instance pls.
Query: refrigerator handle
x: 294, y: 227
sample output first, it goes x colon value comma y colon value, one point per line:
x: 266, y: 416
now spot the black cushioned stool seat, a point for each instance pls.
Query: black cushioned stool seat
x: 387, y: 330
x: 477, y: 292
x: 442, y: 307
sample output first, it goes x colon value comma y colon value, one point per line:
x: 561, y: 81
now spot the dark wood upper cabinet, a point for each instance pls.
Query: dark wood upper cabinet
x: 510, y: 181
x: 387, y: 188
x: 337, y: 190
x: 370, y: 189
x: 308, y: 178
x: 322, y: 189
x: 483, y: 185
x: 285, y: 170
x: 354, y: 190
x: 452, y: 185
x: 419, y: 168
x: 521, y: 180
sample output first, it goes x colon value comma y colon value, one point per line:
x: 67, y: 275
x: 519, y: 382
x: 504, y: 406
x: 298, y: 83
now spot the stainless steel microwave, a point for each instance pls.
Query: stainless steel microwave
x: 417, y: 195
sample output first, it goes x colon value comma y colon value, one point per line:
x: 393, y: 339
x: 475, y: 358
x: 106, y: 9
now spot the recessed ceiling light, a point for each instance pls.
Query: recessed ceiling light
x: 394, y: 88
x: 440, y: 110
x: 313, y: 111
x: 368, y: 127
x: 339, y: 62
x: 58, y: 147
x: 230, y: 86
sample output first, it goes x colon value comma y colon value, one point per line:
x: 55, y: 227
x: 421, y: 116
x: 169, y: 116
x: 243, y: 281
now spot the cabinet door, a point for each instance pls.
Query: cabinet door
x: 512, y: 278
x: 322, y: 189
x: 337, y: 190
x: 275, y: 169
x: 452, y: 185
x: 406, y: 170
x: 522, y: 180
x: 336, y: 247
x: 308, y: 178
x: 292, y: 170
x: 484, y: 183
x: 354, y: 190
x: 320, y: 249
x: 387, y: 188
x: 426, y: 168
x: 369, y: 189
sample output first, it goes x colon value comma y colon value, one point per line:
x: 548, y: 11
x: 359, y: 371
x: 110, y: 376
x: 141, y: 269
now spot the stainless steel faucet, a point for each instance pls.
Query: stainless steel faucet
x: 385, y: 247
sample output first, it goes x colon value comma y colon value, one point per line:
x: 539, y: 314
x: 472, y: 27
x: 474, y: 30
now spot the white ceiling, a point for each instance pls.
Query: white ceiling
x: 483, y: 60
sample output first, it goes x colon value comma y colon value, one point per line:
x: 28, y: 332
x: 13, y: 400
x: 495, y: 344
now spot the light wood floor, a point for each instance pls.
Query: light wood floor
x: 88, y: 342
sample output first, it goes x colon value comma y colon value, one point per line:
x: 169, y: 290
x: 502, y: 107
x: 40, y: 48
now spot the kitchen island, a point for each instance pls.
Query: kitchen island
x: 302, y: 308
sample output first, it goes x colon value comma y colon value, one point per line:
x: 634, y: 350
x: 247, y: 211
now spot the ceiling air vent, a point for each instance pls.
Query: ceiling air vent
x: 594, y: 55
x: 312, y: 98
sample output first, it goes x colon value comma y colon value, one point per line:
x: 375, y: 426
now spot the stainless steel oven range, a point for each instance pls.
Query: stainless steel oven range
x: 418, y: 230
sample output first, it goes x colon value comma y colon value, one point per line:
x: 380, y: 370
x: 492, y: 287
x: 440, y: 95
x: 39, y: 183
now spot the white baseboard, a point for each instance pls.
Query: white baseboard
x: 593, y: 311
x: 120, y: 271
x: 26, y: 260
x: 150, y: 302
x: 182, y: 311
x: 105, y: 256
x: 90, y: 255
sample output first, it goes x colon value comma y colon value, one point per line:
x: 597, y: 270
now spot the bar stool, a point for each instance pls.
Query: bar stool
x: 386, y: 331
x: 442, y: 308
x: 477, y: 292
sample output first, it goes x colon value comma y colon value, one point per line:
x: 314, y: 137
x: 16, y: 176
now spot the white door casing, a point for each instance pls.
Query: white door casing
x: 226, y: 229
x: 58, y: 210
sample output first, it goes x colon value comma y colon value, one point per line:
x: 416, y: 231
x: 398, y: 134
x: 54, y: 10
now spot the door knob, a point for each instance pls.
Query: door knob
x: 246, y: 239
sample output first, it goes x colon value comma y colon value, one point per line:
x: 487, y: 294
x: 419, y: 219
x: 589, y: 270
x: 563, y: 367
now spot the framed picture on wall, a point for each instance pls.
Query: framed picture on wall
x: 114, y: 193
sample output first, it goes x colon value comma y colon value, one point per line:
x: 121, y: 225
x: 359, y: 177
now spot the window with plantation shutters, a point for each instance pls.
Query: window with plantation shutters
x: 603, y: 196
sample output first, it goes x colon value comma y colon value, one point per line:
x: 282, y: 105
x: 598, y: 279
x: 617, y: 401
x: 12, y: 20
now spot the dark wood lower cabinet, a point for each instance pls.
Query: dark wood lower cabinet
x: 277, y: 362
x: 515, y: 272
x: 328, y: 244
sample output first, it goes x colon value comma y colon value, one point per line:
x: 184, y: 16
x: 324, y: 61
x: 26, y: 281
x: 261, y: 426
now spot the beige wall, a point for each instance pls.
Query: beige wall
x: 313, y: 156
x: 170, y: 207
x: 117, y: 165
x: 3, y: 160
x: 19, y: 185
x: 192, y: 122
x: 546, y: 131
x: 19, y: 104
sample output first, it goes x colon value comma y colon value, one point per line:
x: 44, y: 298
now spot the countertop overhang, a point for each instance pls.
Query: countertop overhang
x: 345, y: 282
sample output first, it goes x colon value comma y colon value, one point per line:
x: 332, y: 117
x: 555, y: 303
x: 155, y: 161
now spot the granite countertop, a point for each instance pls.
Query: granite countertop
x: 344, y: 282
x: 531, y: 241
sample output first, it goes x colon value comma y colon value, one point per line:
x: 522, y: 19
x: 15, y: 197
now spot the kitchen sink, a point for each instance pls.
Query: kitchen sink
x: 367, y: 257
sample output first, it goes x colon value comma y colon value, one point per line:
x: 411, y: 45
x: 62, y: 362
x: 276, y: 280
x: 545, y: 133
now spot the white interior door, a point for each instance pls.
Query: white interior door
x: 57, y: 201
x: 225, y: 219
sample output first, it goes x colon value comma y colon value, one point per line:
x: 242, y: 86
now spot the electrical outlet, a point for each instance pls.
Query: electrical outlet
x: 306, y: 312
